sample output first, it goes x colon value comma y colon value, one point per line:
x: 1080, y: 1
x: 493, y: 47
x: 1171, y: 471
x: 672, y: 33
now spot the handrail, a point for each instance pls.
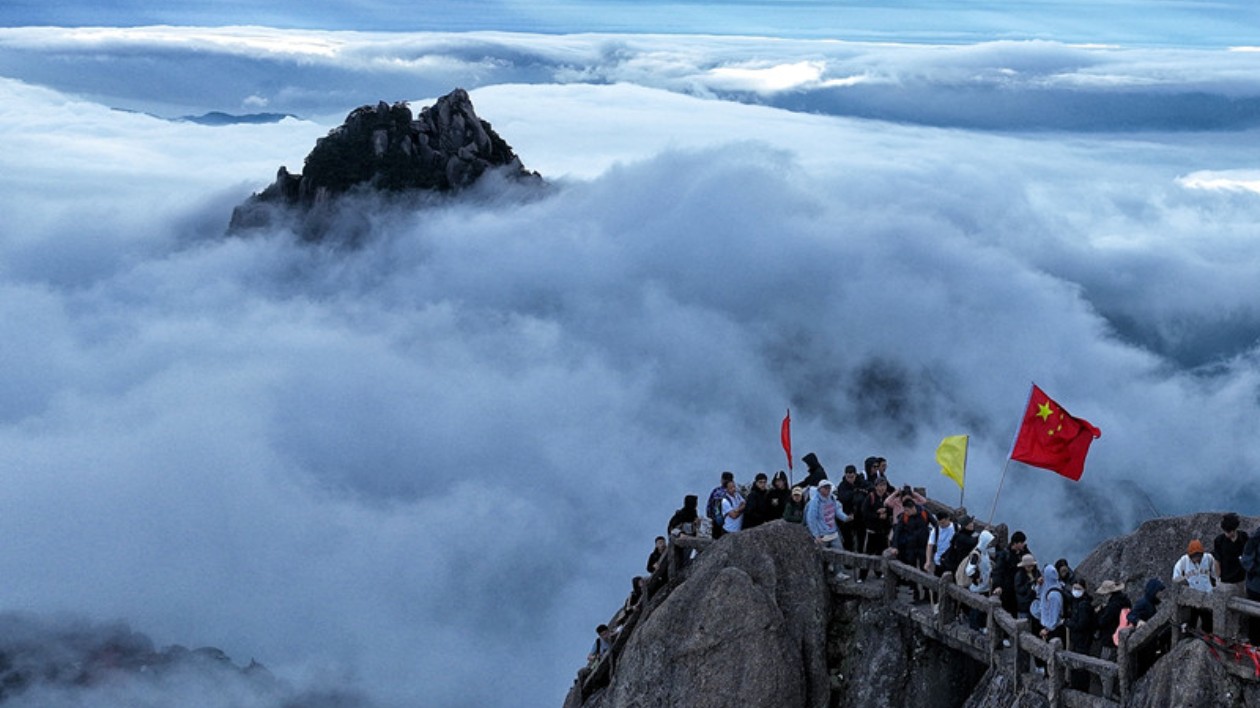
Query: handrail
x: 1002, y: 640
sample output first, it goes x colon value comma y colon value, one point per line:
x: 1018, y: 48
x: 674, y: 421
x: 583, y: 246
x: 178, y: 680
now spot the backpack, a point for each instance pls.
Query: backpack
x: 960, y: 574
x: 1125, y: 622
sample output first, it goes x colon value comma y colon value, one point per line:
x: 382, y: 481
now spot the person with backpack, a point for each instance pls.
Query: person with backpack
x: 910, y: 534
x: 1116, y: 605
x: 1053, y: 604
x: 713, y: 509
x: 961, y: 547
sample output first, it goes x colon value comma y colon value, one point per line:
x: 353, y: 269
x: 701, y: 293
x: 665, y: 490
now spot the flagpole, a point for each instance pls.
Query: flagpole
x: 962, y: 488
x: 1014, y: 439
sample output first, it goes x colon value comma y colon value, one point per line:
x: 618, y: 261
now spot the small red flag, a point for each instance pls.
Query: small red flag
x: 785, y: 434
x: 1051, y: 438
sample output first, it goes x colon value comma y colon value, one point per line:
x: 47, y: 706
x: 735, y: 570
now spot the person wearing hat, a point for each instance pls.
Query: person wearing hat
x: 1026, y: 577
x: 1200, y: 571
x: 794, y: 511
x: 1109, y: 617
x: 822, y: 514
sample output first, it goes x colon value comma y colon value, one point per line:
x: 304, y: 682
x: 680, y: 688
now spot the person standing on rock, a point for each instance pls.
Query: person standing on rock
x: 1251, y: 563
x: 1228, y: 549
x: 657, y: 554
x: 758, y: 511
x: 1198, y: 570
x: 603, y: 642
x: 822, y: 514
x: 779, y: 495
x: 877, y: 517
x: 685, y: 521
x: 733, y: 507
x: 794, y: 512
x: 714, y: 508
x: 815, y: 473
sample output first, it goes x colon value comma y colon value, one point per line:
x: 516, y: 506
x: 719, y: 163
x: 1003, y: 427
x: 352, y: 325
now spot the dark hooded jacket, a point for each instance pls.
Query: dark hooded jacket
x: 816, y: 472
x: 1251, y: 562
x: 757, y: 511
x: 689, y: 513
x: 1147, y: 605
x: 779, y: 498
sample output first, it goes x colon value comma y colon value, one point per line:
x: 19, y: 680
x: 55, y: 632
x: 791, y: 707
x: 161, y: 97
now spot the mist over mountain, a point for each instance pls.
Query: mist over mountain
x: 398, y: 469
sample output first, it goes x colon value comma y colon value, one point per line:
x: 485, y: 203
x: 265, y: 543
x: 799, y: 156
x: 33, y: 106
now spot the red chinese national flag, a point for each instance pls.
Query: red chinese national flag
x: 1051, y: 438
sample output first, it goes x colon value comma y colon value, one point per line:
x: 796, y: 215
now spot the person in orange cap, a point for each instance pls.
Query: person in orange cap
x: 1200, y: 571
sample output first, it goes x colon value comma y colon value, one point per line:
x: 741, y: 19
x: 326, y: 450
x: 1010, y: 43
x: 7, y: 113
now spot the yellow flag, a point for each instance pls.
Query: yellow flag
x: 952, y: 454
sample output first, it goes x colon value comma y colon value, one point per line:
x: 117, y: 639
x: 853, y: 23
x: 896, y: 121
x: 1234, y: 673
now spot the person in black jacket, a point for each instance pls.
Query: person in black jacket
x: 1228, y: 548
x: 850, y: 493
x: 757, y: 511
x: 1081, y: 624
x: 780, y: 494
x: 815, y: 474
x: 1109, y: 617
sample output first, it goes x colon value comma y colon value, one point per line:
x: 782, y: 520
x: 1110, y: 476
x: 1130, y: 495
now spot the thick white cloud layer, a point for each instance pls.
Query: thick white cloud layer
x: 438, y: 458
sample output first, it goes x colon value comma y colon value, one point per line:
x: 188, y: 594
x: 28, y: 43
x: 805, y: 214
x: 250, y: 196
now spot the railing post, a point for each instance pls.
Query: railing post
x: 890, y: 580
x: 1224, y: 622
x: 991, y: 628
x: 1122, y: 666
x: 1021, y: 626
x: 1054, y: 673
x: 946, y: 607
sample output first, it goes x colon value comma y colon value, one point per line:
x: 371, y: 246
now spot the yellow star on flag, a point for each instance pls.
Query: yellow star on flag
x: 1043, y: 411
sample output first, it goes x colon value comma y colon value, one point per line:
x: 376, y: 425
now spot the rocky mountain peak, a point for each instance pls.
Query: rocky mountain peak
x: 446, y: 148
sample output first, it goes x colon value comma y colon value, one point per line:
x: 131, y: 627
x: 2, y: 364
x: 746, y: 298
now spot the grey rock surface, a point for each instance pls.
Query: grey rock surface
x: 747, y: 627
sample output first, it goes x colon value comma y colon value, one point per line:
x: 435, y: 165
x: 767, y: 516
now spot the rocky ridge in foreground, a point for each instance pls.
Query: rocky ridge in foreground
x: 748, y: 617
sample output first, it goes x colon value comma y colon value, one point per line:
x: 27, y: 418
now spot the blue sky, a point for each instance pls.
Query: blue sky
x: 1147, y: 22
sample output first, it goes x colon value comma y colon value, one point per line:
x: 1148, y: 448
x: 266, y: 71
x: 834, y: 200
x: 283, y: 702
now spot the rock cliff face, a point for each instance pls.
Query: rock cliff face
x: 746, y: 628
x: 752, y: 622
x: 445, y: 149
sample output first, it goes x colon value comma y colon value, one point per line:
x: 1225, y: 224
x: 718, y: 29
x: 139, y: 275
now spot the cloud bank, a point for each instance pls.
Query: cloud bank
x: 401, y: 469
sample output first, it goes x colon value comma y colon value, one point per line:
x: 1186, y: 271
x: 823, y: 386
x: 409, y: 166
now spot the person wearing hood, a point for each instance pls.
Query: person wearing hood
x: 978, y: 571
x: 779, y: 495
x: 815, y: 473
x: 1147, y: 605
x: 685, y: 521
x: 1052, y: 598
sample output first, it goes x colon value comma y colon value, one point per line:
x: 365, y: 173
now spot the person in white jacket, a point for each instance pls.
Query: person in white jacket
x: 1199, y: 570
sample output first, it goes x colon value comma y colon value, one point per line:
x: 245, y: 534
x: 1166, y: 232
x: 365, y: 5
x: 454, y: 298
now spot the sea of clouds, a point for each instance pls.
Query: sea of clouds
x: 424, y: 468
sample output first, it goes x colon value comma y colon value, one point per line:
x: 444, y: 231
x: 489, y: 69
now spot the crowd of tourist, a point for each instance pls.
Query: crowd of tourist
x: 865, y: 513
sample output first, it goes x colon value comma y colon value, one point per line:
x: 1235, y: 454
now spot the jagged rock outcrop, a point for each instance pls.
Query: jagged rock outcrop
x: 1190, y: 676
x: 1151, y: 550
x: 722, y: 635
x: 445, y: 149
x: 746, y: 628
